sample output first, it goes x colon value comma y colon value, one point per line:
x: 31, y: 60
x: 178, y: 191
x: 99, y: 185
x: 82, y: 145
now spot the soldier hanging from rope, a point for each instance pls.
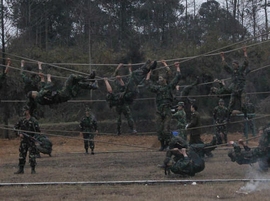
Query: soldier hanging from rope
x: 238, y: 82
x: 48, y: 96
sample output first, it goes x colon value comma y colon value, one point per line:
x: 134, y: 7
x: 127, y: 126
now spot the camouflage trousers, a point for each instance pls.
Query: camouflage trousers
x: 125, y: 110
x: 27, y: 145
x: 221, y: 134
x: 241, y: 97
x: 164, y: 116
x: 89, y: 141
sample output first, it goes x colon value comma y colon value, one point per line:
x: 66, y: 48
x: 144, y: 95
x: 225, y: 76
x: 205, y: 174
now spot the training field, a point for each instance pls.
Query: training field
x: 125, y: 168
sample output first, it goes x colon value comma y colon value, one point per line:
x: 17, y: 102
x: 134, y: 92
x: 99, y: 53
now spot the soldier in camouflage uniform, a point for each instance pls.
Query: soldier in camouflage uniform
x: 3, y: 76
x: 31, y: 82
x: 188, y: 159
x: 164, y: 99
x: 28, y: 123
x: 238, y: 84
x: 220, y: 115
x: 88, y: 126
x: 124, y: 106
x: 47, y: 96
x: 180, y: 116
x: 260, y: 154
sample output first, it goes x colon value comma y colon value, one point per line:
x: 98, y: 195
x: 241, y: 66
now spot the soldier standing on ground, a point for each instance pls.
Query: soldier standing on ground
x: 220, y: 115
x: 180, y: 116
x: 28, y: 123
x: 88, y: 126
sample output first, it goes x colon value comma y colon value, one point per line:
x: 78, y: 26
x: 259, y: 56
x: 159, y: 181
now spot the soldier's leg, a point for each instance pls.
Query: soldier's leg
x: 32, y: 156
x: 92, y: 143
x: 139, y: 75
x: 119, y: 119
x: 243, y: 104
x: 218, y: 136
x: 85, y: 142
x: 128, y: 116
x: 231, y: 105
x: 167, y: 120
x: 160, y: 128
x: 22, y: 157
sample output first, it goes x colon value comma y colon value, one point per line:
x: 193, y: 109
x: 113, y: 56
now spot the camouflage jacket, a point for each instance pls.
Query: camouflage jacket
x: 238, y: 76
x: 164, y: 95
x: 28, y: 125
x: 195, y: 123
x: 2, y: 78
x: 88, y: 124
x: 31, y: 83
x: 220, y: 114
x: 180, y: 116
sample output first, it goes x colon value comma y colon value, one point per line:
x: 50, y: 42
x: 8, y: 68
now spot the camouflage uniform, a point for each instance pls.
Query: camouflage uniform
x: 180, y: 116
x: 87, y: 126
x: 27, y: 143
x: 250, y: 114
x: 123, y: 106
x: 260, y: 153
x: 46, y: 96
x: 31, y: 83
x: 192, y: 164
x: 164, y: 99
x: 237, y: 87
x: 220, y: 115
x: 45, y: 145
x: 193, y: 127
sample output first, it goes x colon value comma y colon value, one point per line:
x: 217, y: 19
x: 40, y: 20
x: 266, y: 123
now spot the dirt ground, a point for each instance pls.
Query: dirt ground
x: 72, y: 175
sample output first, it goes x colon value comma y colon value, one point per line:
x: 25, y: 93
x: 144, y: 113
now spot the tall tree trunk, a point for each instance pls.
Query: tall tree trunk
x: 266, y: 18
x: 6, y: 109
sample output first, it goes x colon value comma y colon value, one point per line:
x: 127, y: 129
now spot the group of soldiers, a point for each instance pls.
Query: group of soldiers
x: 189, y: 155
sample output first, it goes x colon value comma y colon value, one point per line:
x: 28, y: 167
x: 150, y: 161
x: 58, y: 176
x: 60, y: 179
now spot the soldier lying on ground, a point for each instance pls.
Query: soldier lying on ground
x: 48, y: 96
x: 260, y: 154
x: 188, y: 159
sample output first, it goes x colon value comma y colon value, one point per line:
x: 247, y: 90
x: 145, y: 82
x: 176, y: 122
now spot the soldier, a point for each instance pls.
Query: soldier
x: 31, y: 82
x: 87, y: 125
x: 28, y: 123
x: 179, y: 148
x: 220, y: 115
x: 259, y: 154
x: 180, y: 116
x: 194, y: 126
x: 164, y: 99
x: 123, y: 107
x: 237, y: 86
x: 3, y: 76
x: 221, y: 91
x: 48, y: 96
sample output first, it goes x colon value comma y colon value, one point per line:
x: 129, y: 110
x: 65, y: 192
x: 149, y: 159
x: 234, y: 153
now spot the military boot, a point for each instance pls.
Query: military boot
x: 33, y: 171
x: 86, y: 151
x: 162, y: 145
x: 20, y: 170
x: 92, y: 151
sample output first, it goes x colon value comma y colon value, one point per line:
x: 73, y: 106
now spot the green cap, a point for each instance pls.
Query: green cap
x: 180, y: 104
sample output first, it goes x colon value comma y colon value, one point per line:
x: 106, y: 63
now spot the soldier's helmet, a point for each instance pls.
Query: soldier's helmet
x: 25, y: 108
x: 221, y: 100
x: 87, y: 109
x: 180, y: 104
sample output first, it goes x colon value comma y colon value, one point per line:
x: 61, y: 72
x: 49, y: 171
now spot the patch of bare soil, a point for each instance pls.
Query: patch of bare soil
x: 120, y: 158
